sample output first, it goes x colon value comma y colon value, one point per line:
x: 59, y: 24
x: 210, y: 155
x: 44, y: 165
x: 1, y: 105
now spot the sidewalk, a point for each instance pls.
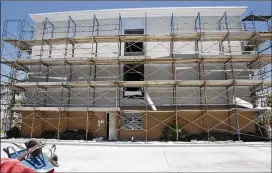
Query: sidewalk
x: 90, y: 158
x: 143, y: 143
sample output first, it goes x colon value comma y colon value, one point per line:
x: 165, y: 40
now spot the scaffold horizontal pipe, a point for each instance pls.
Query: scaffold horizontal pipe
x: 157, y: 83
x: 113, y: 109
x: 19, y: 64
x: 181, y: 37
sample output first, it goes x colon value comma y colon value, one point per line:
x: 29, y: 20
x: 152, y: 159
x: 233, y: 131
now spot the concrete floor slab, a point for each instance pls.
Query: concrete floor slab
x: 84, y: 158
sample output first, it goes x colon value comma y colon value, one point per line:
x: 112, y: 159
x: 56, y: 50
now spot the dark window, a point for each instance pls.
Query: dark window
x: 133, y: 72
x: 108, y: 124
x: 134, y: 31
x: 134, y: 48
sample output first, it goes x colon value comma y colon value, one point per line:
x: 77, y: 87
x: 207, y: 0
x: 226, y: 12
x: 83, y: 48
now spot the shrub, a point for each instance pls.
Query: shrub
x: 81, y: 135
x: 224, y: 136
x: 213, y: 136
x: 75, y: 135
x: 14, y: 132
x: 68, y: 135
x: 251, y: 137
x: 49, y: 134
x: 170, y: 134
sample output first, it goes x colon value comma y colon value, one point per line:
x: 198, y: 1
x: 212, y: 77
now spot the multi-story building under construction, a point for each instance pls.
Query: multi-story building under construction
x: 126, y: 73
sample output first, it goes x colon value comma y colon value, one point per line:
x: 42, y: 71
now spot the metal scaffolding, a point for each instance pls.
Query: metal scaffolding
x: 19, y: 62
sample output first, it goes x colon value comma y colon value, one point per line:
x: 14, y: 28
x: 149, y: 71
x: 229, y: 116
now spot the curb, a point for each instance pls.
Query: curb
x: 144, y: 144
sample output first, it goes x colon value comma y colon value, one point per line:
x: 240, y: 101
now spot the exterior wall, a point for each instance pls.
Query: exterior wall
x: 152, y: 72
x: 155, y: 26
x: 161, y: 96
x: 155, y: 128
x: 77, y: 120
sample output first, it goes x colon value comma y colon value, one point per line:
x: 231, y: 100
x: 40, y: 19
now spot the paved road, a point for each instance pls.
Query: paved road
x: 163, y: 159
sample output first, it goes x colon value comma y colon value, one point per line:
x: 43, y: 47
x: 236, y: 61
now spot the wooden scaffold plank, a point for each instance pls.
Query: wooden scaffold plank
x: 181, y: 37
x: 19, y: 64
x: 67, y: 109
x: 114, y: 109
x: 153, y: 83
